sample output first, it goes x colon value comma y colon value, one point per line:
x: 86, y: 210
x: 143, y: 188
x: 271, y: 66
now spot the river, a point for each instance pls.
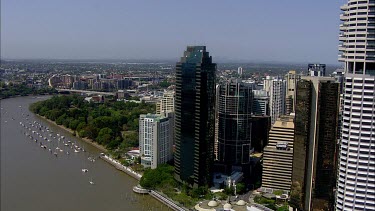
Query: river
x: 33, y: 178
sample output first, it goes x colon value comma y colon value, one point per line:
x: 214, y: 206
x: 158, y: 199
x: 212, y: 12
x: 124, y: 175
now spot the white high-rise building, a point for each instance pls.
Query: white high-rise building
x: 356, y: 170
x: 318, y: 70
x: 240, y: 71
x: 276, y: 87
x: 155, y: 140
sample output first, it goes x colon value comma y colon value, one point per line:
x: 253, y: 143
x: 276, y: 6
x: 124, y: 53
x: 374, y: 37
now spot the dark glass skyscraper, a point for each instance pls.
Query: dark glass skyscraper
x: 195, y: 117
x: 234, y: 138
x: 315, y: 144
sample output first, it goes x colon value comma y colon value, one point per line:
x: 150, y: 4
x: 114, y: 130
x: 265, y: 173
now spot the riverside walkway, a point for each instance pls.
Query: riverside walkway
x: 121, y: 167
x: 165, y: 200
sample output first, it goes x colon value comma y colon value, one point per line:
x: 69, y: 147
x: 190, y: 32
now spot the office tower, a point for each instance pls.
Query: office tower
x: 216, y: 142
x: 240, y: 71
x: 155, y: 140
x: 194, y: 110
x: 356, y: 177
x: 80, y: 85
x: 278, y: 155
x: 291, y: 81
x: 276, y: 88
x: 260, y: 127
x: 260, y: 103
x: 166, y: 103
x: 234, y: 138
x: 318, y: 70
x: 123, y: 83
x: 315, y: 144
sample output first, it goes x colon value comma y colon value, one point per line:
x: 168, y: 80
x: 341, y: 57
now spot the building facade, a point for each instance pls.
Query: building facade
x: 356, y: 171
x: 278, y: 155
x: 318, y: 70
x: 195, y: 117
x: 315, y: 144
x: 291, y: 79
x: 166, y: 103
x: 261, y: 102
x: 276, y: 88
x: 155, y: 140
x: 234, y: 129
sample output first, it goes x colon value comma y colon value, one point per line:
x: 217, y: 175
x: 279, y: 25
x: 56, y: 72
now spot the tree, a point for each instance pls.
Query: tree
x: 240, y: 188
x: 104, y: 136
x: 296, y: 195
x: 153, y: 178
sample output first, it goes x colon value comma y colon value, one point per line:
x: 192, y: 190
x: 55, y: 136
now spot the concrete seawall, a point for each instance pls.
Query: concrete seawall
x: 165, y: 200
x: 121, y: 167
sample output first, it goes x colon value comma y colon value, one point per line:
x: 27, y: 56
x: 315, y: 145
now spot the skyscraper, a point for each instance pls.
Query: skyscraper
x: 317, y: 70
x: 291, y: 81
x: 315, y: 144
x: 278, y: 155
x: 276, y: 88
x: 195, y: 117
x: 234, y: 114
x: 240, y: 71
x: 261, y: 101
x: 356, y: 177
x: 155, y: 139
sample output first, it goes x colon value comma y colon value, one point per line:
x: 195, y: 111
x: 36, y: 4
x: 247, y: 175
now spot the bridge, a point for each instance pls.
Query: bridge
x: 86, y: 92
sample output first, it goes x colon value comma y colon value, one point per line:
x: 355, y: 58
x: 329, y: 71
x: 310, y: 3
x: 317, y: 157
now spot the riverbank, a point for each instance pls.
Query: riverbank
x: 58, y: 182
x: 159, y: 196
x: 89, y: 141
x: 121, y: 167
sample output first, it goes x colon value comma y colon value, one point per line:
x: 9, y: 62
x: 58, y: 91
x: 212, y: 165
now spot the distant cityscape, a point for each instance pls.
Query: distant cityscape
x: 242, y: 136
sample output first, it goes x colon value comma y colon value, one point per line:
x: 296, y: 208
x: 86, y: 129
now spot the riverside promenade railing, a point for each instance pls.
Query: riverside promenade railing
x: 137, y: 176
x: 121, y: 167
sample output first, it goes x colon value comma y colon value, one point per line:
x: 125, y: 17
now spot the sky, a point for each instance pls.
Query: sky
x: 240, y: 30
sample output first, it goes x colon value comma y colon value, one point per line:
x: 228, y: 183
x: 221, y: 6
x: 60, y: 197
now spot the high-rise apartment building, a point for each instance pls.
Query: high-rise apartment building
x: 318, y: 70
x: 278, y: 155
x: 276, y: 88
x: 261, y: 102
x: 195, y: 116
x: 155, y: 140
x: 166, y: 103
x: 356, y: 171
x: 240, y: 71
x: 234, y: 115
x: 315, y: 144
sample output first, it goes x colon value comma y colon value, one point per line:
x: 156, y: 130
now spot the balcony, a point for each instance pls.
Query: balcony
x: 344, y: 7
x: 343, y: 17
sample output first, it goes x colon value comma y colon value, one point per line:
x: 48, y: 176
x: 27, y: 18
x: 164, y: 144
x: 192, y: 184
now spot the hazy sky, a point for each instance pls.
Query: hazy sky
x: 250, y: 30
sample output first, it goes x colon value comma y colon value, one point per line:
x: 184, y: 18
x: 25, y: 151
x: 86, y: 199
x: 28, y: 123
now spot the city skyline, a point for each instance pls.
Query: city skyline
x: 139, y: 30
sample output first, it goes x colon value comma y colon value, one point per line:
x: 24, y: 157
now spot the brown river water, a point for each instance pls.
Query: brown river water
x: 34, y: 179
